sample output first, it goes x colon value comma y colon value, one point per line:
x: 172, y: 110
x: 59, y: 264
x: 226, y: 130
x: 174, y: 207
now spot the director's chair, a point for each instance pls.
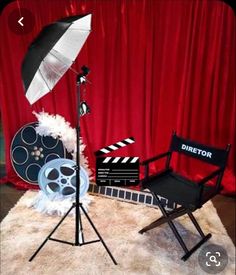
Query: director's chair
x: 187, y: 194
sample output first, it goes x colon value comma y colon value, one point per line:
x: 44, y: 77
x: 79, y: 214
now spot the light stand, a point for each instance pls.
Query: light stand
x: 81, y: 78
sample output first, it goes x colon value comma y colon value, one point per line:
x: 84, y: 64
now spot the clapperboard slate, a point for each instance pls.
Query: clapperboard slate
x: 117, y: 171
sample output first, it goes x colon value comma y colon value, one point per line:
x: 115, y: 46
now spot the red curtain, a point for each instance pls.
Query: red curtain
x: 157, y: 65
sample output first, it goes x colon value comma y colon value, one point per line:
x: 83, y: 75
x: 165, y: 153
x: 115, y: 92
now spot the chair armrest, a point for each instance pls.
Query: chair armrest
x: 147, y: 161
x: 210, y: 176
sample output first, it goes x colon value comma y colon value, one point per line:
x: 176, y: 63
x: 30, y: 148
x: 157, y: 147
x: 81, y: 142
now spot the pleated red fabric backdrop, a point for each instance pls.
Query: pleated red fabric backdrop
x: 157, y: 65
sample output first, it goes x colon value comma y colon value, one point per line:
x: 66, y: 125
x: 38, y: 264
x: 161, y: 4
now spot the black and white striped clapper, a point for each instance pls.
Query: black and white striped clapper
x: 117, y: 171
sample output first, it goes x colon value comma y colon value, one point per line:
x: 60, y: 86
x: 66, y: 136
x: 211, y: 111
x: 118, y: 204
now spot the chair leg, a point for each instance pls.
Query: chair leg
x: 201, y: 242
x: 168, y: 217
x: 154, y: 224
x: 194, y: 221
x: 178, y: 237
x: 171, y: 224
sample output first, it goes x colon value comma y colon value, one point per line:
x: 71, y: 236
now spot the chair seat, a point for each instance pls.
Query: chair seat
x: 175, y: 188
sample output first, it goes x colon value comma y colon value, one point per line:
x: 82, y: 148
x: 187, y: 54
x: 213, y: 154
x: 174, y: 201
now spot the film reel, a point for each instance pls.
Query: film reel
x: 30, y: 151
x: 58, y: 177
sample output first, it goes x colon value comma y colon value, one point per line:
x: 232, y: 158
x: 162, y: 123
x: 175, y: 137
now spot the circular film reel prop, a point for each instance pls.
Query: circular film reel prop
x: 30, y: 151
x: 58, y: 177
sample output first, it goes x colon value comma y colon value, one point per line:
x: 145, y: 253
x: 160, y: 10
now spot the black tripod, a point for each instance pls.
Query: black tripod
x: 81, y: 78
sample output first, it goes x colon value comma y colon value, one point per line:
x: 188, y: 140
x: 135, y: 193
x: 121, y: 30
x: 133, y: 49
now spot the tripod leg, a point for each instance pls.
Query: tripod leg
x: 81, y: 230
x: 47, y: 238
x: 79, y: 235
x: 99, y: 236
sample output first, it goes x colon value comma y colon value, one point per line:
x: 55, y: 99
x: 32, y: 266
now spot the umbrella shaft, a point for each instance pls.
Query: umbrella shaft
x: 77, y: 195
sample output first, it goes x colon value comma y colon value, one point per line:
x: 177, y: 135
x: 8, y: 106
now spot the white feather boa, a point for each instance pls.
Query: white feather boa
x: 56, y: 205
x: 57, y: 127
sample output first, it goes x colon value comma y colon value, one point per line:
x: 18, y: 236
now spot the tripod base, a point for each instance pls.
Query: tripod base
x: 78, y: 241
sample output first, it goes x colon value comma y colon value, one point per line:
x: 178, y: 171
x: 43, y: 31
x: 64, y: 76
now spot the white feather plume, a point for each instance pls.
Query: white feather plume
x: 55, y: 204
x: 57, y: 127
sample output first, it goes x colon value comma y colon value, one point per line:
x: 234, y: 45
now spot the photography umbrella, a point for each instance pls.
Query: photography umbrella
x: 49, y: 56
x: 52, y: 53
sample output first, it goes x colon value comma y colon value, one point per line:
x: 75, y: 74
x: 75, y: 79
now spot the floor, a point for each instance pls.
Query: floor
x: 225, y: 205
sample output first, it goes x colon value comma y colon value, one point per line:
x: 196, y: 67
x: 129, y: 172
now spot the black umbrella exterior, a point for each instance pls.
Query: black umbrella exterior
x: 52, y: 53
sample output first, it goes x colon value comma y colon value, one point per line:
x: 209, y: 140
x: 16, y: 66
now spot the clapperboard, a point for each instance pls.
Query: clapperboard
x: 117, y: 171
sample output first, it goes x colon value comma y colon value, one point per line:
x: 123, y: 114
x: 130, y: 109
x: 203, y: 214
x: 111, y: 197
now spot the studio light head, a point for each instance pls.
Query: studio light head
x: 81, y: 78
x: 85, y: 70
x: 84, y: 108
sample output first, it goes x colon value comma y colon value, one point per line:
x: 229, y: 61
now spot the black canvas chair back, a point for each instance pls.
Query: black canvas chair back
x: 186, y: 193
x: 212, y: 155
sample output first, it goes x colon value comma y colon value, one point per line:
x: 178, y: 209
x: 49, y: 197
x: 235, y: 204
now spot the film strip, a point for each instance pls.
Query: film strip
x: 129, y: 195
x: 117, y: 171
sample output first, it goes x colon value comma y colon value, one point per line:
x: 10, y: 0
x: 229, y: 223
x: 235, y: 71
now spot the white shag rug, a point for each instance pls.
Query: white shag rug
x: 155, y: 252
